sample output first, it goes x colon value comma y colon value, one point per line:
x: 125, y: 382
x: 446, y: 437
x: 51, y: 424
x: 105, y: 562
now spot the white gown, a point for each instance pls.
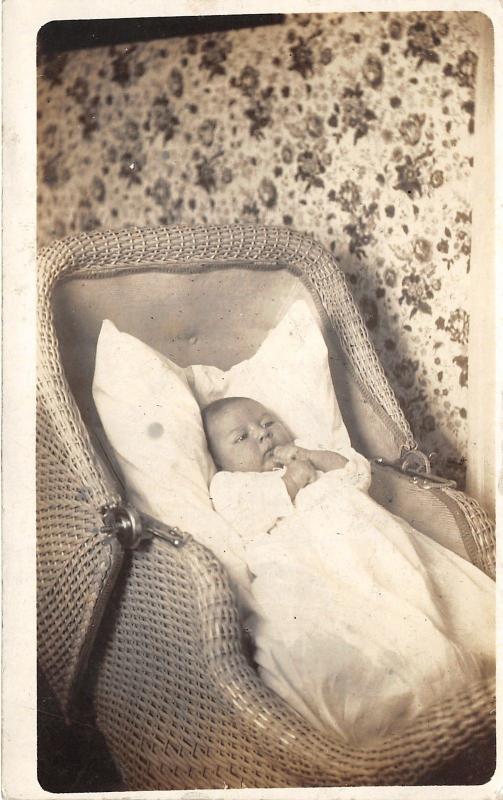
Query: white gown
x: 360, y: 621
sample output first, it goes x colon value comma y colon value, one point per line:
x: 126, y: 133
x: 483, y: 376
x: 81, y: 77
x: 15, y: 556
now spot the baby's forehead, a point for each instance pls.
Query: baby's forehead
x: 238, y: 411
x: 242, y: 408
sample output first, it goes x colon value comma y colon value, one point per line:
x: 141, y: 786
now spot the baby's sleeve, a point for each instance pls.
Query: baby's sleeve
x: 357, y: 471
x: 251, y: 502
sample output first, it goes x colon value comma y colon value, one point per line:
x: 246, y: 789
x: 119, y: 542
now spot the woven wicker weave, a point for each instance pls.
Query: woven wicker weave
x: 179, y: 703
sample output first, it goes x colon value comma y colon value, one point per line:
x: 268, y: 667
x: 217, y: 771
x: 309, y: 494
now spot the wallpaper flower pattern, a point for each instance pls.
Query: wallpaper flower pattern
x: 355, y: 128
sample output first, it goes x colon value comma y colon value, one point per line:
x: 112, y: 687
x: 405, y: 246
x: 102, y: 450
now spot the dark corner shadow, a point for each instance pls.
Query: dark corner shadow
x: 474, y: 767
x: 63, y: 35
x: 71, y: 757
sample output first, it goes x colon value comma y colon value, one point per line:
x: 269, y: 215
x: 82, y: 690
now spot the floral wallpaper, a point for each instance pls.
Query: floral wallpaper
x: 356, y: 128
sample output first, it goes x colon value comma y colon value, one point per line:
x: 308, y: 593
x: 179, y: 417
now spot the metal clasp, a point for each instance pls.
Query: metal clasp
x: 125, y: 523
x: 421, y: 477
x: 131, y: 528
x: 415, y: 461
x: 430, y: 481
x: 170, y: 534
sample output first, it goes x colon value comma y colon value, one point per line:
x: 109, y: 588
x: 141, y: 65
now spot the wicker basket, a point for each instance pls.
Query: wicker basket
x: 174, y: 693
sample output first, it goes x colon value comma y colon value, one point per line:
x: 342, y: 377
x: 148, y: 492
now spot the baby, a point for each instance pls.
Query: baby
x: 360, y: 622
x: 243, y: 436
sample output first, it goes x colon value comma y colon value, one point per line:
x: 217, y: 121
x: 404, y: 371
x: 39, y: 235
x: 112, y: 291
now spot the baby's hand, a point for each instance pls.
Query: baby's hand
x: 286, y: 453
x: 299, y: 472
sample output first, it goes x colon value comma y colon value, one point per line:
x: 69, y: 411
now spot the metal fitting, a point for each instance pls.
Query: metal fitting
x: 125, y: 523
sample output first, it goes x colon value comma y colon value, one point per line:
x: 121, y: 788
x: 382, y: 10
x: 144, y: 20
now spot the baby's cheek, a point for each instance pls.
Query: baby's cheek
x: 284, y: 437
x: 248, y: 462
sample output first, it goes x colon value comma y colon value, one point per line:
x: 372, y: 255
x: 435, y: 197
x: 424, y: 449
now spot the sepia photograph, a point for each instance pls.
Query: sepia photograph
x: 265, y: 401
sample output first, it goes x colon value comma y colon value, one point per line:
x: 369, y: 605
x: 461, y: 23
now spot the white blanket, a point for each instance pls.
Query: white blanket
x: 360, y: 621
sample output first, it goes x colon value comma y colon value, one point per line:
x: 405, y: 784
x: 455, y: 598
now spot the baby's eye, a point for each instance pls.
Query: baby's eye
x: 268, y: 423
x: 241, y: 438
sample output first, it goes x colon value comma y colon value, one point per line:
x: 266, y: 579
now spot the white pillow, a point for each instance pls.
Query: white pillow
x: 290, y: 375
x: 152, y: 422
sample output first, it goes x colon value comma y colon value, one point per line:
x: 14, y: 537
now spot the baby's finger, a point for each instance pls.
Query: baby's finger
x: 286, y: 452
x: 280, y: 456
x: 280, y: 452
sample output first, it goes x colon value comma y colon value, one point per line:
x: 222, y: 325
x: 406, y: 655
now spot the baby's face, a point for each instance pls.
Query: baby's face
x: 243, y: 435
